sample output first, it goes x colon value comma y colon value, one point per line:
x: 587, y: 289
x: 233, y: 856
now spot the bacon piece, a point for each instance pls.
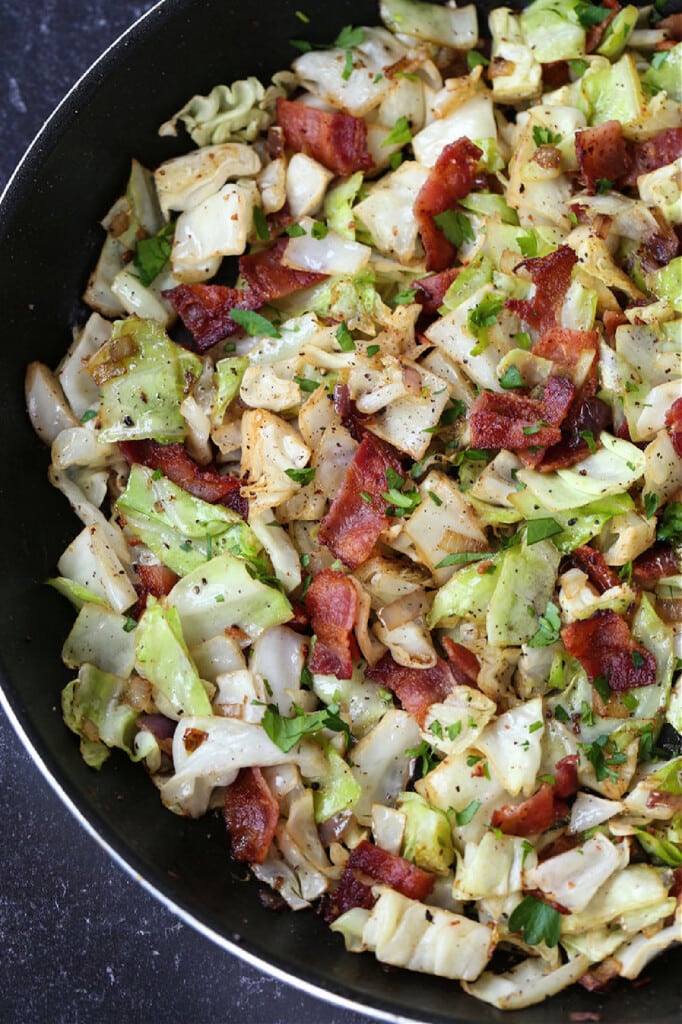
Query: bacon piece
x: 585, y: 414
x: 391, y: 870
x: 352, y: 525
x: 592, y: 563
x: 356, y: 423
x: 566, y: 776
x: 251, y: 814
x: 557, y: 399
x: 602, y: 153
x: 605, y: 648
x: 510, y: 421
x: 174, y: 461
x: 339, y: 141
x: 158, y: 580
x: 656, y: 152
x: 551, y: 275
x: 451, y: 179
x: 654, y: 564
x: 205, y: 310
x: 269, y: 279
x: 332, y: 604
x: 673, y: 420
x: 349, y: 893
x: 672, y: 25
x: 600, y: 976
x: 536, y: 814
x: 555, y: 74
x: 431, y: 289
x: 463, y: 663
x: 613, y: 319
x: 416, y: 688
x: 567, y: 348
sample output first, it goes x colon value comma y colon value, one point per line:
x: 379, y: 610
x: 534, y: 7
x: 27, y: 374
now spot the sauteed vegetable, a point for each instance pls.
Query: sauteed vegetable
x: 375, y: 433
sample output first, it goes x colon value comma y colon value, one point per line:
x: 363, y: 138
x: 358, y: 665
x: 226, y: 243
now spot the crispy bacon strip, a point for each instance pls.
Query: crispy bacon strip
x: 655, y: 564
x: 567, y: 348
x: 332, y: 604
x: 613, y: 319
x: 656, y: 152
x: 349, y: 893
x: 269, y: 279
x: 673, y: 420
x: 396, y: 872
x: 602, y: 153
x: 585, y: 414
x: 536, y: 814
x: 205, y: 310
x: 157, y: 580
x: 357, y: 515
x: 566, y: 776
x: 431, y: 289
x: 174, y: 461
x: 515, y: 422
x: 551, y: 275
x: 339, y: 141
x: 416, y: 688
x: 463, y: 663
x: 605, y: 648
x: 251, y: 814
x: 451, y: 179
x: 592, y: 563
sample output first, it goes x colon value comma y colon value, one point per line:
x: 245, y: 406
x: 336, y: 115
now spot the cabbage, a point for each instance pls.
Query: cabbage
x: 657, y: 637
x: 387, y: 212
x: 270, y: 446
x: 497, y: 866
x: 614, y: 93
x: 455, y: 724
x: 95, y: 709
x: 181, y: 530
x: 663, y: 468
x: 453, y: 785
x: 136, y: 214
x: 103, y: 638
x: 306, y: 185
x: 141, y: 360
x: 467, y: 592
x: 573, y: 878
x: 161, y: 656
x: 221, y: 595
x: 98, y: 294
x: 48, y: 409
x: 443, y: 524
x: 144, y: 302
x: 338, y: 791
x: 524, y: 82
x: 618, y: 32
x: 528, y: 983
x: 381, y: 763
x: 278, y: 659
x: 338, y: 206
x: 523, y: 587
x: 474, y: 118
x: 185, y: 181
x: 91, y: 562
x: 513, y: 744
x: 665, y: 283
x: 665, y: 76
x: 405, y: 933
x: 363, y: 701
x: 589, y: 810
x: 388, y: 828
x: 427, y: 841
x: 454, y: 28
x: 636, y: 954
x: 663, y: 187
x: 239, y: 111
x: 329, y: 255
x: 635, y: 888
x: 552, y: 30
x: 216, y: 227
x: 77, y: 384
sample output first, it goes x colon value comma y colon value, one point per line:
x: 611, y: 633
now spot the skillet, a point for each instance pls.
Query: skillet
x: 48, y: 241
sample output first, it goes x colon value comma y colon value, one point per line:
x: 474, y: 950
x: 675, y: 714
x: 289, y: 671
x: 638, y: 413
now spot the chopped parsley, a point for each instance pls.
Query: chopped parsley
x: 651, y: 503
x: 464, y: 816
x: 455, y: 226
x: 511, y: 378
x: 254, y: 324
x: 462, y: 558
x: 404, y: 298
x: 474, y: 59
x: 544, y: 136
x: 372, y: 350
x: 549, y: 629
x: 537, y: 921
x: 541, y: 529
x: 589, y: 14
x: 286, y: 733
x: 345, y: 338
x: 400, y: 134
x: 152, y: 254
x: 261, y: 225
x: 319, y: 230
x: 301, y: 476
x: 670, y: 523
x: 295, y: 231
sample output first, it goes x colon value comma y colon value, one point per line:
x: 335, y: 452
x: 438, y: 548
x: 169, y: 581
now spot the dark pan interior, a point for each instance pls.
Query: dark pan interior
x: 49, y: 240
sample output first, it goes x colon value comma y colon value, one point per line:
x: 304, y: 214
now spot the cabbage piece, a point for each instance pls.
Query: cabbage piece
x: 136, y: 214
x: 456, y: 723
x: 406, y: 933
x: 306, y: 185
x: 338, y: 206
x: 663, y: 467
x: 636, y: 887
x: 338, y: 790
x: 351, y: 926
x: 552, y: 30
x: 573, y: 878
x: 513, y: 744
x: 181, y: 530
x: 387, y: 212
x: 270, y: 446
x: 657, y: 637
x: 524, y: 80
x: 161, y: 656
x: 285, y: 559
x: 589, y: 810
x: 453, y: 785
x: 636, y: 954
x: 523, y: 587
x: 660, y: 848
x: 187, y: 180
x: 76, y: 593
x: 94, y: 708
x: 209, y: 750
x: 329, y: 255
x: 98, y: 294
x: 474, y: 118
x: 497, y: 866
x: 665, y: 283
x: 381, y: 763
x: 663, y: 187
x: 666, y: 76
x: 140, y: 361
x: 614, y: 93
x: 453, y: 335
x: 278, y: 658
x: 427, y: 840
x: 47, y: 406
x: 467, y: 593
x: 78, y: 386
x: 528, y: 983
x: 363, y: 701
x: 456, y: 29
x: 142, y: 301
x: 388, y: 828
x: 103, y: 638
x: 216, y: 227
x: 228, y: 378
x: 91, y: 562
x: 221, y: 595
x: 239, y: 111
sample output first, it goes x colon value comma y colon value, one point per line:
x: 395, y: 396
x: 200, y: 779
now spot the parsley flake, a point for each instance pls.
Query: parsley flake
x: 400, y: 134
x: 301, y: 476
x: 541, y: 529
x: 537, y: 921
x: 455, y: 226
x: 254, y: 324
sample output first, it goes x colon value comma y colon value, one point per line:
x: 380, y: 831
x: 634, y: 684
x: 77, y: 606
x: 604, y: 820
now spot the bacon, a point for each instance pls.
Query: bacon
x: 672, y: 25
x: 205, y: 310
x: 352, y: 525
x: 451, y: 179
x: 349, y: 893
x: 536, y: 814
x: 673, y: 420
x: 251, y: 814
x: 269, y: 279
x: 432, y: 289
x: 595, y: 33
x: 416, y: 688
x: 463, y: 663
x: 654, y: 564
x: 557, y: 399
x: 332, y: 604
x: 605, y: 648
x: 613, y: 319
x: 356, y: 423
x: 339, y: 141
x: 174, y: 461
x: 656, y: 152
x: 391, y: 870
x: 601, y: 975
x: 567, y: 348
x: 156, y: 579
x: 592, y: 563
x: 551, y: 275
x: 555, y: 74
x: 566, y: 776
x: 511, y: 421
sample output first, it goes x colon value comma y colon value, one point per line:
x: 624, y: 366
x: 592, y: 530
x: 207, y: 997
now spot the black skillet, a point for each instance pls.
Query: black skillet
x: 48, y: 241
